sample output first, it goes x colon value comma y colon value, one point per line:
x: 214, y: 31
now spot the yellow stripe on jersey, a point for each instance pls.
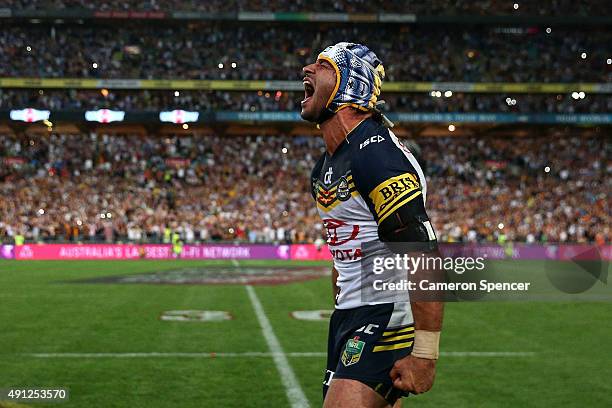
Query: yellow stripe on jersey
x: 389, y: 192
x: 394, y: 332
x: 396, y: 338
x: 382, y: 217
x: 392, y: 347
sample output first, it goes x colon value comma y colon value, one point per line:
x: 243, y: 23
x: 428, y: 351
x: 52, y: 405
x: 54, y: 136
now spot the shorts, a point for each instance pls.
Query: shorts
x: 365, y: 342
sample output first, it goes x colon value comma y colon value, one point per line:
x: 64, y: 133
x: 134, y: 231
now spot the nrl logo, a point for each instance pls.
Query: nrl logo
x: 352, y: 351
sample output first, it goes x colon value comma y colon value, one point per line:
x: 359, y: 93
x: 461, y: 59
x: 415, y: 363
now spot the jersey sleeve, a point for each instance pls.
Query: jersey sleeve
x: 387, y: 176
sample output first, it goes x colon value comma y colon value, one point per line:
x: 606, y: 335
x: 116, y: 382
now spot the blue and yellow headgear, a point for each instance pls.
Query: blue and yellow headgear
x: 359, y: 76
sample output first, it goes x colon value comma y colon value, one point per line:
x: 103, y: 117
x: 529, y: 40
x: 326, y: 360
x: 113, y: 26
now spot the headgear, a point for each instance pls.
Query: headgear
x: 359, y: 76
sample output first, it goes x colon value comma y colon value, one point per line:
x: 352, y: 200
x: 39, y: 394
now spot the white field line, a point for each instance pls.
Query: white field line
x: 248, y: 354
x: 294, y: 392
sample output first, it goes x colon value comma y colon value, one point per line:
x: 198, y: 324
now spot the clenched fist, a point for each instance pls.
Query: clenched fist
x: 413, y: 374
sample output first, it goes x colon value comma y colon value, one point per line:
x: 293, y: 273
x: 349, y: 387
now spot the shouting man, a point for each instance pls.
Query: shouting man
x: 369, y: 189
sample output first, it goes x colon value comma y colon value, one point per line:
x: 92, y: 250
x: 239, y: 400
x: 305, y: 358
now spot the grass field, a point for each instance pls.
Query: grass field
x: 105, y: 342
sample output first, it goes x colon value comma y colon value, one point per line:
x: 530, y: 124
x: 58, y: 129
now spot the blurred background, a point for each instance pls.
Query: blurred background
x: 130, y: 121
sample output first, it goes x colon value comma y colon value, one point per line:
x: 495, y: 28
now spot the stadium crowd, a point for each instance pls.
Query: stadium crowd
x: 90, y: 187
x: 290, y: 101
x: 279, y: 51
x: 554, y: 7
x: 208, y: 188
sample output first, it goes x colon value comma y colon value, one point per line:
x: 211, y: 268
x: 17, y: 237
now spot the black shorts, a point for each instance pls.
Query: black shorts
x: 365, y: 342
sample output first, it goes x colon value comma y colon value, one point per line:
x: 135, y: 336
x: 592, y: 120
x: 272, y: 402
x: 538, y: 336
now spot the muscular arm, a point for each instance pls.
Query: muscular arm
x: 391, y: 182
x: 427, y: 315
x: 416, y: 373
x: 410, y: 224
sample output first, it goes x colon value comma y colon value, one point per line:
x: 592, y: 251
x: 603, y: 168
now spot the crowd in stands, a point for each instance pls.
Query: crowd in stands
x: 133, y: 187
x: 93, y: 187
x: 533, y: 189
x: 251, y: 101
x: 485, y: 7
x: 253, y: 51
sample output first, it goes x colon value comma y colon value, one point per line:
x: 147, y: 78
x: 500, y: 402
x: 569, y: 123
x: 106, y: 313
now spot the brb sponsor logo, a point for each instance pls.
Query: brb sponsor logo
x: 387, y: 193
x: 340, y: 233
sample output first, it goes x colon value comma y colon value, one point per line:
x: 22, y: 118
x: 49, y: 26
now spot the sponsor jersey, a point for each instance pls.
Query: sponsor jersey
x: 369, y: 176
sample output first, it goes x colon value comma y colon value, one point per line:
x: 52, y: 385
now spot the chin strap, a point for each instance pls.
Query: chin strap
x: 328, y: 113
x: 386, y: 122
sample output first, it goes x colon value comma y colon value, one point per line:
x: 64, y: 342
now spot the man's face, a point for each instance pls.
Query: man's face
x: 319, y: 83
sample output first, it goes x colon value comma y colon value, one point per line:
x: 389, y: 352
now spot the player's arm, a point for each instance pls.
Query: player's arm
x: 416, y: 373
x: 410, y: 225
x: 391, y: 183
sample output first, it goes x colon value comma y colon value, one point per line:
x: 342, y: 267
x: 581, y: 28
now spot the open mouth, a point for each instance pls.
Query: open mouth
x: 308, y: 91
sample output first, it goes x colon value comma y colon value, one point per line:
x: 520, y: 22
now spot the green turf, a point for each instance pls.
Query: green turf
x: 41, y: 313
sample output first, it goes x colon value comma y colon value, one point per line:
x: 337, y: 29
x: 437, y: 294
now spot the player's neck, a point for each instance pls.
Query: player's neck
x: 336, y: 128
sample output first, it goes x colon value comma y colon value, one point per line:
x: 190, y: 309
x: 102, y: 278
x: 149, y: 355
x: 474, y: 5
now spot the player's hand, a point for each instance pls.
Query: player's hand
x: 413, y: 374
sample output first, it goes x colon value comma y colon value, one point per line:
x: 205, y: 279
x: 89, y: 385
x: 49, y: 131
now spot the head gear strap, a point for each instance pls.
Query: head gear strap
x: 359, y: 76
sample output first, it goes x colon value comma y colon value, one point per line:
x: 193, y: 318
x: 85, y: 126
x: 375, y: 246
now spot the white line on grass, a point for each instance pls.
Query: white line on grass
x: 296, y: 396
x: 261, y: 354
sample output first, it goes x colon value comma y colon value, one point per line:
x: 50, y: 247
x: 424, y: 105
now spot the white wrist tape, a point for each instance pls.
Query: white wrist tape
x: 426, y: 344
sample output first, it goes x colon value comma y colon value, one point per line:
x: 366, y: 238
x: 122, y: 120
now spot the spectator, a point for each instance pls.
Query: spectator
x: 123, y: 187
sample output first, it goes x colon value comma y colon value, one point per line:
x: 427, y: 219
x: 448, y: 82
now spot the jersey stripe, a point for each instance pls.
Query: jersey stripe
x: 398, y: 205
x: 395, y: 338
x: 392, y: 347
x: 394, y: 332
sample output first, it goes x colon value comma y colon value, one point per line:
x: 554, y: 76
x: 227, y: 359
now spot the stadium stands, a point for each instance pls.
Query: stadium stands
x: 133, y: 100
x: 278, y: 51
x: 86, y: 187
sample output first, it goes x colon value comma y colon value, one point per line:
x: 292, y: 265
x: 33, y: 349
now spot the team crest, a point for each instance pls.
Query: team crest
x: 352, y: 351
x: 343, y: 193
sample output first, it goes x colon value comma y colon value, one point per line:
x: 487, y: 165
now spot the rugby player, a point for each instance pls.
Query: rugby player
x: 368, y: 188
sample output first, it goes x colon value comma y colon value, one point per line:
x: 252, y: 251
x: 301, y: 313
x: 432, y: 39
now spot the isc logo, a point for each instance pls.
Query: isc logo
x: 373, y: 139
